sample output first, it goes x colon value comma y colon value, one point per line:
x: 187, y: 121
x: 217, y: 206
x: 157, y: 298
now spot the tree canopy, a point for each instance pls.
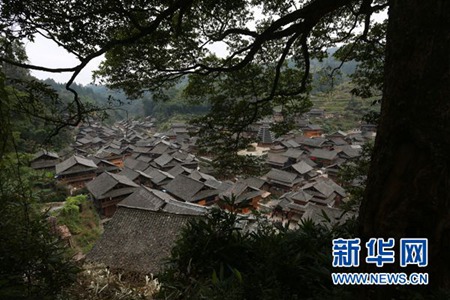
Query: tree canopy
x: 151, y: 45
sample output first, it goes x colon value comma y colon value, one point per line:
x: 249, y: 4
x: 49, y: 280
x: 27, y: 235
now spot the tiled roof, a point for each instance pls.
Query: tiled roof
x: 197, y: 175
x: 323, y: 154
x: 235, y: 190
x: 277, y: 159
x: 281, y: 176
x: 135, y: 164
x: 255, y: 182
x: 294, y: 153
x: 302, y: 167
x: 138, y: 240
x: 102, y: 186
x: 129, y: 173
x: 184, y: 187
x: 63, y: 167
x: 163, y: 160
x: 44, y: 153
x: 313, y: 142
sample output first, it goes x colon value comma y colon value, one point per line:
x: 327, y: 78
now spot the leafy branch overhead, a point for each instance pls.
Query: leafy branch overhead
x: 147, y: 44
x: 153, y: 45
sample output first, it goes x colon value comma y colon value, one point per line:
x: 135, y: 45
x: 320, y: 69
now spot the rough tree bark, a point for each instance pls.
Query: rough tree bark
x: 408, y: 192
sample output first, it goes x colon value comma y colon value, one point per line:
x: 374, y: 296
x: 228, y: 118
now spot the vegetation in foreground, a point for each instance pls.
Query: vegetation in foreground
x: 33, y: 261
x: 215, y: 258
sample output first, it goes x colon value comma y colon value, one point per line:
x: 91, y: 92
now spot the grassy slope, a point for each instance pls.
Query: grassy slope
x: 346, y: 110
x: 83, y: 223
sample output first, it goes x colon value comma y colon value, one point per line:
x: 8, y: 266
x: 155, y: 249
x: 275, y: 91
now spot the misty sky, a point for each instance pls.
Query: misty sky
x: 44, y: 52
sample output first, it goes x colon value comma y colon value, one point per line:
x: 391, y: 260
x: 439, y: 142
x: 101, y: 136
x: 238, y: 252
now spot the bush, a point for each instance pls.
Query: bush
x: 32, y: 260
x: 215, y: 259
x: 79, y: 215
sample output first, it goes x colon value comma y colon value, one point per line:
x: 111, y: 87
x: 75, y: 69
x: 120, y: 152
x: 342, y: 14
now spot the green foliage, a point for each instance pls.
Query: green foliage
x: 79, y: 215
x: 236, y: 101
x: 97, y: 282
x: 369, y: 52
x: 45, y: 186
x: 354, y: 177
x: 32, y: 259
x: 348, y: 110
x: 29, y: 111
x: 70, y: 213
x: 229, y: 164
x: 215, y: 258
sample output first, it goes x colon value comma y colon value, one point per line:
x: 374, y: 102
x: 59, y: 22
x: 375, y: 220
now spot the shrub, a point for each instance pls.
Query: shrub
x: 216, y: 259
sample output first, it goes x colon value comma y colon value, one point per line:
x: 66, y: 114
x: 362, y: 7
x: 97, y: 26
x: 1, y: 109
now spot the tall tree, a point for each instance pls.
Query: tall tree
x: 407, y: 193
x: 150, y: 44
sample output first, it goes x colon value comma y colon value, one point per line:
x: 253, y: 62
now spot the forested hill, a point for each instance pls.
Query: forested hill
x: 145, y: 106
x: 177, y: 105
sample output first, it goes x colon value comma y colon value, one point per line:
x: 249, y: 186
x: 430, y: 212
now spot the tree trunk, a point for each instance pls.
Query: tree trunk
x: 408, y: 191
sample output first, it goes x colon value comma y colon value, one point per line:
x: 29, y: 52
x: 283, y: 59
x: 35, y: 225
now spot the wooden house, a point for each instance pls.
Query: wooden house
x: 190, y: 190
x: 323, y: 157
x: 246, y: 198
x: 316, y: 113
x: 325, y: 192
x: 76, y: 171
x: 278, y: 161
x: 104, y: 165
x: 281, y: 181
x: 45, y: 160
x: 159, y: 178
x: 108, y: 190
x: 312, y: 130
x: 257, y: 183
x: 112, y: 154
x: 138, y: 177
x: 142, y: 232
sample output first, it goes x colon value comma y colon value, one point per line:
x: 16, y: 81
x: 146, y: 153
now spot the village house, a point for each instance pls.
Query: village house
x: 159, y: 178
x: 111, y: 154
x: 290, y: 143
x: 190, y: 190
x: 165, y: 162
x: 257, y: 183
x: 76, y: 171
x: 135, y: 164
x: 104, y: 165
x: 337, y: 134
x: 142, y: 232
x: 325, y: 192
x: 323, y: 157
x: 179, y: 169
x: 279, y: 161
x: 312, y: 130
x: 295, y: 154
x: 291, y: 206
x: 350, y: 152
x: 368, y: 128
x: 316, y: 113
x: 138, y: 177
x: 304, y: 170
x: 108, y: 190
x: 246, y: 198
x: 45, y: 160
x: 160, y: 148
x: 281, y: 181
